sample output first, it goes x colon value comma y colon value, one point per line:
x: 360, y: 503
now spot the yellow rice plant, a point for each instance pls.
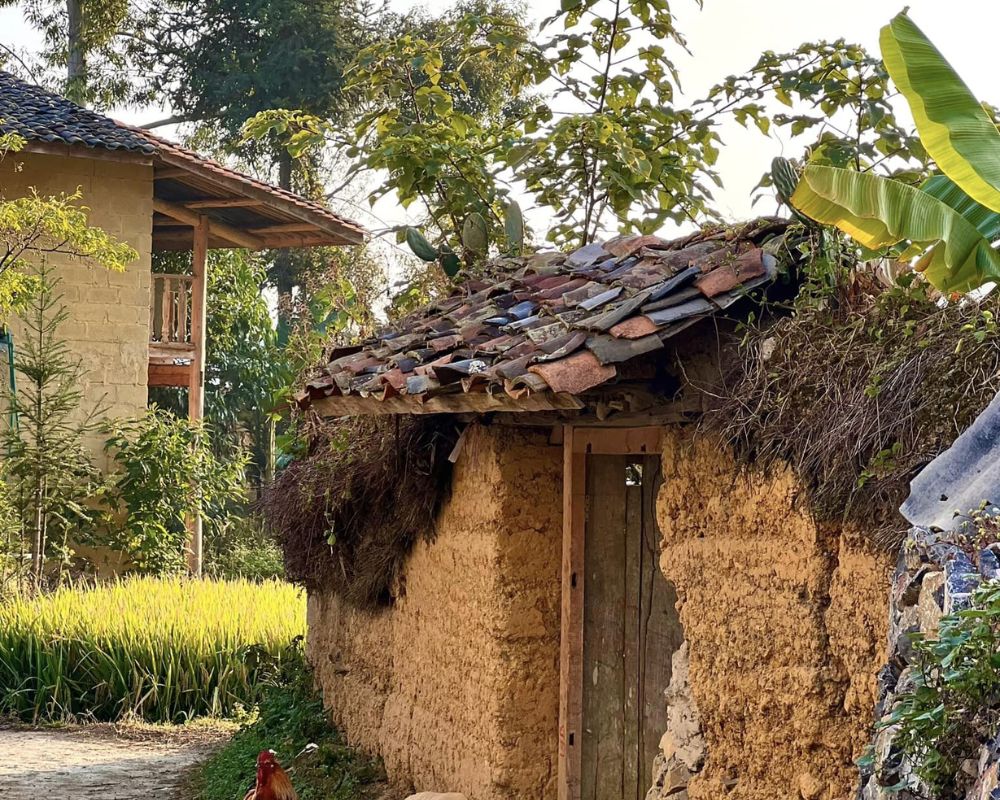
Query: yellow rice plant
x: 164, y: 650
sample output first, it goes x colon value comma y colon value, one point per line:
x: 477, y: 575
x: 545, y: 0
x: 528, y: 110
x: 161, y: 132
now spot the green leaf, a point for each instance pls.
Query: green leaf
x: 784, y: 177
x: 418, y: 243
x: 450, y: 263
x: 879, y: 212
x: 987, y: 222
x: 513, y: 224
x: 953, y: 126
x: 475, y: 234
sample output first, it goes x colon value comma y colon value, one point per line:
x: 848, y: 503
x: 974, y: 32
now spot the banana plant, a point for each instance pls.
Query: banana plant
x: 950, y: 221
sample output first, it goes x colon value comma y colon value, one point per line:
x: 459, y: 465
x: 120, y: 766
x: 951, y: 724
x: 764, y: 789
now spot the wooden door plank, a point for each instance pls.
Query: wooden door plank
x: 605, y: 685
x: 660, y: 631
x: 571, y: 632
x: 633, y: 573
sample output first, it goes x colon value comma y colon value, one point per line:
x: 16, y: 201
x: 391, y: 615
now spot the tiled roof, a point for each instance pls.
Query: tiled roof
x: 174, y: 154
x: 550, y: 323
x: 39, y: 115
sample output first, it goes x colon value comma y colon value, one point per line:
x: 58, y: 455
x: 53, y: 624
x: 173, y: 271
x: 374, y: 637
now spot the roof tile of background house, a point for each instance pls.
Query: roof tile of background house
x: 39, y: 115
x: 42, y: 116
x: 550, y: 323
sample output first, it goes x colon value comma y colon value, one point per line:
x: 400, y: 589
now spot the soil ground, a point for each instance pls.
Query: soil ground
x: 100, y: 761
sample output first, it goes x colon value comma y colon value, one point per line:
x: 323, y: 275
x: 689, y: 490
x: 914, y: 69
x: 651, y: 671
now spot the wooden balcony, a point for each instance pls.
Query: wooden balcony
x: 172, y: 353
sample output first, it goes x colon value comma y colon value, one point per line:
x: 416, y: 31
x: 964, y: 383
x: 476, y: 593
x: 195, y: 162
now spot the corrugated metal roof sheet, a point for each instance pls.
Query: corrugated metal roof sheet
x: 961, y: 479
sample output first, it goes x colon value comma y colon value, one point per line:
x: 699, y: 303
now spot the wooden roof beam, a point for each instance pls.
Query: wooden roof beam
x: 293, y: 227
x: 479, y: 403
x: 224, y: 202
x: 218, y: 229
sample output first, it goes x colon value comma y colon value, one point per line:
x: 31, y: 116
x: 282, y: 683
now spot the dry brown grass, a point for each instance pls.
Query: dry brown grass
x: 858, y: 399
x: 347, y: 514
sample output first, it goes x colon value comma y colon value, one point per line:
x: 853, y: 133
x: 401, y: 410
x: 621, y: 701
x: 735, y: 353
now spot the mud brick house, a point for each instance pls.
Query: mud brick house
x: 138, y: 328
x: 607, y: 606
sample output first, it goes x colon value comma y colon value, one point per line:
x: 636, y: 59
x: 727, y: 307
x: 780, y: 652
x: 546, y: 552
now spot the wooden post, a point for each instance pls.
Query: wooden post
x: 571, y: 641
x: 196, y: 391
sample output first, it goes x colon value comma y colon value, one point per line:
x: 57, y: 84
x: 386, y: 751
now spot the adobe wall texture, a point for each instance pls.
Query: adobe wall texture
x: 456, y: 686
x: 773, y: 692
x: 785, y: 627
x: 108, y: 324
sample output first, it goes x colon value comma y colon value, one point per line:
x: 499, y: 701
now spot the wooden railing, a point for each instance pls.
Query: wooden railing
x: 170, y: 310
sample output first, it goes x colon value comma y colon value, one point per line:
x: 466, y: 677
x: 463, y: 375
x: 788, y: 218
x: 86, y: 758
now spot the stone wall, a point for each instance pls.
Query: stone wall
x: 456, y: 686
x: 784, y: 622
x: 935, y: 575
x: 108, y: 324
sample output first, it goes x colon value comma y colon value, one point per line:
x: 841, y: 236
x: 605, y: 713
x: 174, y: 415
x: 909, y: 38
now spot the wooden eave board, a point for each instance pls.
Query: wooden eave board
x: 182, y: 190
x: 273, y: 209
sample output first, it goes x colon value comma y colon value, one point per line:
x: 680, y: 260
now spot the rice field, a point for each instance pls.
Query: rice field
x: 162, y: 650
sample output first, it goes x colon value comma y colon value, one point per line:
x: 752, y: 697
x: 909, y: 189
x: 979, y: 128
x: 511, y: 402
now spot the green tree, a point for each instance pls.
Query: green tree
x: 217, y: 63
x: 613, y: 143
x: 48, y: 466
x: 89, y: 42
x: 836, y: 93
x: 609, y: 144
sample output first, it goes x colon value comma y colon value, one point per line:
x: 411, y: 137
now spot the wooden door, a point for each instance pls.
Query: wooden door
x: 630, y: 629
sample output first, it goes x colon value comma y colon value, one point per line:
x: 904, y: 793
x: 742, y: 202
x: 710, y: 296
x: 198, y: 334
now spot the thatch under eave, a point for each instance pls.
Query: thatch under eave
x: 347, y: 514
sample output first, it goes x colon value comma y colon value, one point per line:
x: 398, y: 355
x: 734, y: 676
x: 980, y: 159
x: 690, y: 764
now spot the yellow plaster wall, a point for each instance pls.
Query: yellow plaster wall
x: 456, y: 686
x: 108, y: 324
x: 785, y: 622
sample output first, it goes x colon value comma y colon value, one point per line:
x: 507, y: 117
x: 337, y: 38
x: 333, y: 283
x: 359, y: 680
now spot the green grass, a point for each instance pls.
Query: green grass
x: 289, y: 717
x: 161, y: 650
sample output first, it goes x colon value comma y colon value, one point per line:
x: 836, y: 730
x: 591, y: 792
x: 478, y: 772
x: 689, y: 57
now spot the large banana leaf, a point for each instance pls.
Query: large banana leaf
x: 953, y: 127
x: 942, y: 187
x: 879, y: 212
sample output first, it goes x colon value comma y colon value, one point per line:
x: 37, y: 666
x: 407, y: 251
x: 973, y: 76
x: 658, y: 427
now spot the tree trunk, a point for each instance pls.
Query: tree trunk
x: 38, y: 539
x: 76, y: 58
x: 284, y: 281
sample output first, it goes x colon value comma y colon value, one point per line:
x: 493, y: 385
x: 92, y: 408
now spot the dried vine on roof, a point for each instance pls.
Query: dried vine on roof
x: 858, y: 399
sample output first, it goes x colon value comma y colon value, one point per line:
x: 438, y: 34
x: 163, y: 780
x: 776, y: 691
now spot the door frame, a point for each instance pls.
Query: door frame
x: 579, y: 442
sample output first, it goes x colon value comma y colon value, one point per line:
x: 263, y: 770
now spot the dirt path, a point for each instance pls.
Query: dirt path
x: 95, y: 762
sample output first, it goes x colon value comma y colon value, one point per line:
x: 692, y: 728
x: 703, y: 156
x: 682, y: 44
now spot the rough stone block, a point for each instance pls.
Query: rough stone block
x: 930, y: 604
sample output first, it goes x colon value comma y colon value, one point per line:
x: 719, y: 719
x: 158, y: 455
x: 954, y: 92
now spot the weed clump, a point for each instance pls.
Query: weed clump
x: 291, y: 721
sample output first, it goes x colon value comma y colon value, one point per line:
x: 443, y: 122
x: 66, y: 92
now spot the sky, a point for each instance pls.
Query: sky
x: 727, y: 37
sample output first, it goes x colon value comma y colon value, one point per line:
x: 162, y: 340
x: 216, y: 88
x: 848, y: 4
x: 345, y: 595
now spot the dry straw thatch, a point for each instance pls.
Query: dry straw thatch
x: 347, y: 514
x: 859, y: 398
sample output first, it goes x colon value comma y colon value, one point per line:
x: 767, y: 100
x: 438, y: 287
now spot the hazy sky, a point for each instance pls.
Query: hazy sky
x: 726, y: 37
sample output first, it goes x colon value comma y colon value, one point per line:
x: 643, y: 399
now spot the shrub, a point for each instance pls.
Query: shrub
x: 290, y: 717
x: 242, y: 548
x: 953, y: 705
x: 167, y: 472
x: 161, y: 650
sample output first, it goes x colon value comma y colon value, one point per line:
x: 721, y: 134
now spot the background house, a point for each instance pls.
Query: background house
x: 606, y: 604
x: 138, y: 329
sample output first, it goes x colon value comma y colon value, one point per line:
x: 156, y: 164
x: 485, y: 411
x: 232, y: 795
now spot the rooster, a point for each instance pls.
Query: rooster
x: 272, y: 781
